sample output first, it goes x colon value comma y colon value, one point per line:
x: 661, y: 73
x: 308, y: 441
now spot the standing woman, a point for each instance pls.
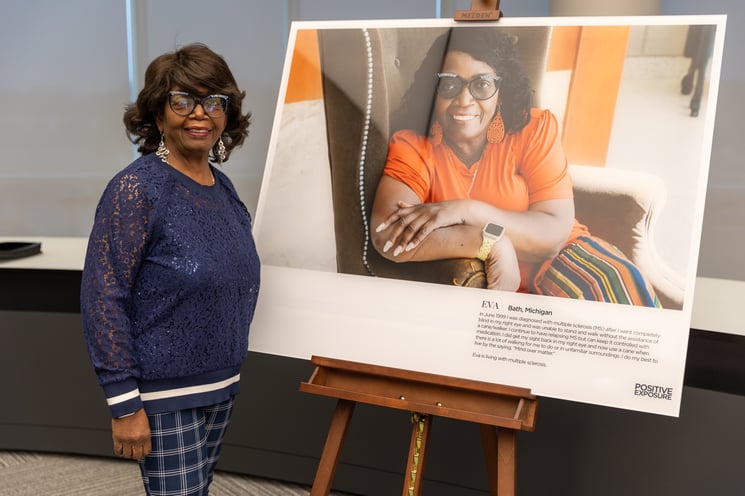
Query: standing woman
x: 171, y: 275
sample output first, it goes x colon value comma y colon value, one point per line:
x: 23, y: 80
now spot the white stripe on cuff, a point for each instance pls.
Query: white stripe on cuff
x: 115, y: 400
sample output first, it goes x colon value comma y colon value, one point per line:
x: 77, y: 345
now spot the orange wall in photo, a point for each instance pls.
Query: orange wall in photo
x: 304, y: 82
x: 562, y: 53
x: 595, y: 55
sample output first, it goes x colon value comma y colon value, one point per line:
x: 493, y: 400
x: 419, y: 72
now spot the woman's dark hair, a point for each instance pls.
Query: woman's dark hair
x: 486, y: 44
x: 192, y: 68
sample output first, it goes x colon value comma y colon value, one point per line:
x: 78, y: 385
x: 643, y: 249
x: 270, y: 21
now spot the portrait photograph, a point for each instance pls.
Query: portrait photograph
x: 522, y: 199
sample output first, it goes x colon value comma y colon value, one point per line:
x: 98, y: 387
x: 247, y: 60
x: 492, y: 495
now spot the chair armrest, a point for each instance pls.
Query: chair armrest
x: 622, y: 207
x: 468, y: 272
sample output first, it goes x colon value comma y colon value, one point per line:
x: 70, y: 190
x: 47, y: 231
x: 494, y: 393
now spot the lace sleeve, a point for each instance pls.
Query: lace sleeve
x: 115, y: 250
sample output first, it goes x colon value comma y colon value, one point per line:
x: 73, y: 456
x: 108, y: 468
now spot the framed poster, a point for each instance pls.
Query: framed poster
x: 370, y: 222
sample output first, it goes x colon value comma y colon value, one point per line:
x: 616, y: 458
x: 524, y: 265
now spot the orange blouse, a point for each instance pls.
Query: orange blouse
x: 526, y: 167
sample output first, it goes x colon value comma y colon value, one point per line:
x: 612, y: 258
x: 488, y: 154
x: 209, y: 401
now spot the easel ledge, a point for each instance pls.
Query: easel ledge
x: 443, y: 396
x: 499, y: 410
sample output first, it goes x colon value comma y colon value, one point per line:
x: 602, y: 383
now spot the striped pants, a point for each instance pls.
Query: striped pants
x: 186, y: 447
x: 592, y: 269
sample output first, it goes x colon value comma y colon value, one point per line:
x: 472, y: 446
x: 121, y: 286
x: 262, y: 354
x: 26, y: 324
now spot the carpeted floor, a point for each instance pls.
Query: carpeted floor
x: 34, y: 474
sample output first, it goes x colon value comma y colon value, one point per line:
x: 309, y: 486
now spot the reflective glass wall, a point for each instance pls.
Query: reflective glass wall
x: 66, y: 79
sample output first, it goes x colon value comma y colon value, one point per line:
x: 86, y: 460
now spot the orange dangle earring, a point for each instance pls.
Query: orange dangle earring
x: 435, y: 133
x: 495, y: 134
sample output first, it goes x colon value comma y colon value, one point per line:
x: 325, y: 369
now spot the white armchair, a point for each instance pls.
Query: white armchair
x: 622, y: 207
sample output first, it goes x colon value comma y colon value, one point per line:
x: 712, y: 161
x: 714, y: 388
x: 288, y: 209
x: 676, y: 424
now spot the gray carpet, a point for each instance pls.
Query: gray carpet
x: 34, y: 474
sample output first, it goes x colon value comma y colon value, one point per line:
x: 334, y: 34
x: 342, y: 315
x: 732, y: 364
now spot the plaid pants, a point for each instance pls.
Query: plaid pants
x: 186, y: 447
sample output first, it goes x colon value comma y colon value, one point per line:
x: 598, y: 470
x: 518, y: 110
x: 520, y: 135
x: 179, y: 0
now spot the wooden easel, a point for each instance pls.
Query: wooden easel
x: 481, y: 10
x: 490, y: 405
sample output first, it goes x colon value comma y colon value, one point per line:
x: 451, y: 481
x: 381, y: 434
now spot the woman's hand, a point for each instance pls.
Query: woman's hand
x: 131, y: 435
x: 410, y: 223
x: 502, y: 270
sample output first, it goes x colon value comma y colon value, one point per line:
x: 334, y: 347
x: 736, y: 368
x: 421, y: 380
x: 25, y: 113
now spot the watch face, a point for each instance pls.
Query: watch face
x: 494, y: 230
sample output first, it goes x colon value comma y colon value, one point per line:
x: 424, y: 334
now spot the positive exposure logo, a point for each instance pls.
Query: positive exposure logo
x: 651, y: 391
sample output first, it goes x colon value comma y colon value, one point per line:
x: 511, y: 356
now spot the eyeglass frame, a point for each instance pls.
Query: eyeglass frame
x: 467, y: 84
x: 198, y: 101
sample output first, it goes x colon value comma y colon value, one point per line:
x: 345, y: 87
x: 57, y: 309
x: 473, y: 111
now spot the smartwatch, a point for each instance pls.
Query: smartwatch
x: 489, y: 235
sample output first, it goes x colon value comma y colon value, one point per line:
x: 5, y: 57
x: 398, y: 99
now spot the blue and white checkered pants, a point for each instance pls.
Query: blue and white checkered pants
x: 186, y: 447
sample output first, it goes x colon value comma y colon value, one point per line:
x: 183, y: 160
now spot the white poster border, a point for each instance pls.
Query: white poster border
x: 634, y: 359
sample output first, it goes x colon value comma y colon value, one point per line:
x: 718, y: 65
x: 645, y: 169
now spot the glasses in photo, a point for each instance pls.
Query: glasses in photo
x: 183, y: 103
x: 482, y: 87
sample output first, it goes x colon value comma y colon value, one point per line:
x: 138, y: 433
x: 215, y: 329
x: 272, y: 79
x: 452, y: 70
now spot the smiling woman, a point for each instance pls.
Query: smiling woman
x: 493, y: 163
x: 188, y: 131
x: 171, y: 274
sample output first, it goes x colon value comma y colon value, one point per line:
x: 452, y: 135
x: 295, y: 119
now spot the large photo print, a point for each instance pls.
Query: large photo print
x: 504, y: 202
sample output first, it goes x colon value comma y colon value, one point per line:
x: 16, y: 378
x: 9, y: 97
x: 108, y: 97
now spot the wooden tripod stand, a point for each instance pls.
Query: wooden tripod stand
x: 425, y: 395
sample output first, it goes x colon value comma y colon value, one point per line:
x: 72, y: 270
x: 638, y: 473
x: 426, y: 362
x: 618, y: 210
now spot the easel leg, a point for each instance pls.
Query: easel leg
x: 484, y: 4
x: 414, y: 474
x: 332, y: 448
x: 489, y: 444
x: 506, y: 462
x: 500, y: 450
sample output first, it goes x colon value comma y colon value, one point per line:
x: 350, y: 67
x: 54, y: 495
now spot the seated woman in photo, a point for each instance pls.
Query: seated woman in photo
x: 490, y: 180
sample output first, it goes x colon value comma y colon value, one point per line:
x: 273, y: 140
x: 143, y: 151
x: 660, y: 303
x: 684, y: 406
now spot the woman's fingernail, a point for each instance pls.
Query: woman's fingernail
x: 387, y: 246
x: 410, y: 246
x: 380, y: 227
x: 397, y: 251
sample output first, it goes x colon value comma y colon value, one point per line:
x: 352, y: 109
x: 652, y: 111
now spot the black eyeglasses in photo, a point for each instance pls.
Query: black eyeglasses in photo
x: 482, y: 87
x: 183, y: 103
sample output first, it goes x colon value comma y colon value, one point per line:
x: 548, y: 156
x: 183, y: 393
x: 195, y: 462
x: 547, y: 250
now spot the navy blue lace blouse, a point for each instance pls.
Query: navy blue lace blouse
x: 169, y: 288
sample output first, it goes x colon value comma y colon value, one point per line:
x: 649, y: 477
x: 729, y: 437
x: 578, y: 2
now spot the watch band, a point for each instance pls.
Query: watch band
x: 485, y: 248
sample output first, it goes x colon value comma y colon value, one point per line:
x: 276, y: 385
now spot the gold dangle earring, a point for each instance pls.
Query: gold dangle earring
x: 162, y: 152
x: 495, y: 134
x: 221, y: 152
